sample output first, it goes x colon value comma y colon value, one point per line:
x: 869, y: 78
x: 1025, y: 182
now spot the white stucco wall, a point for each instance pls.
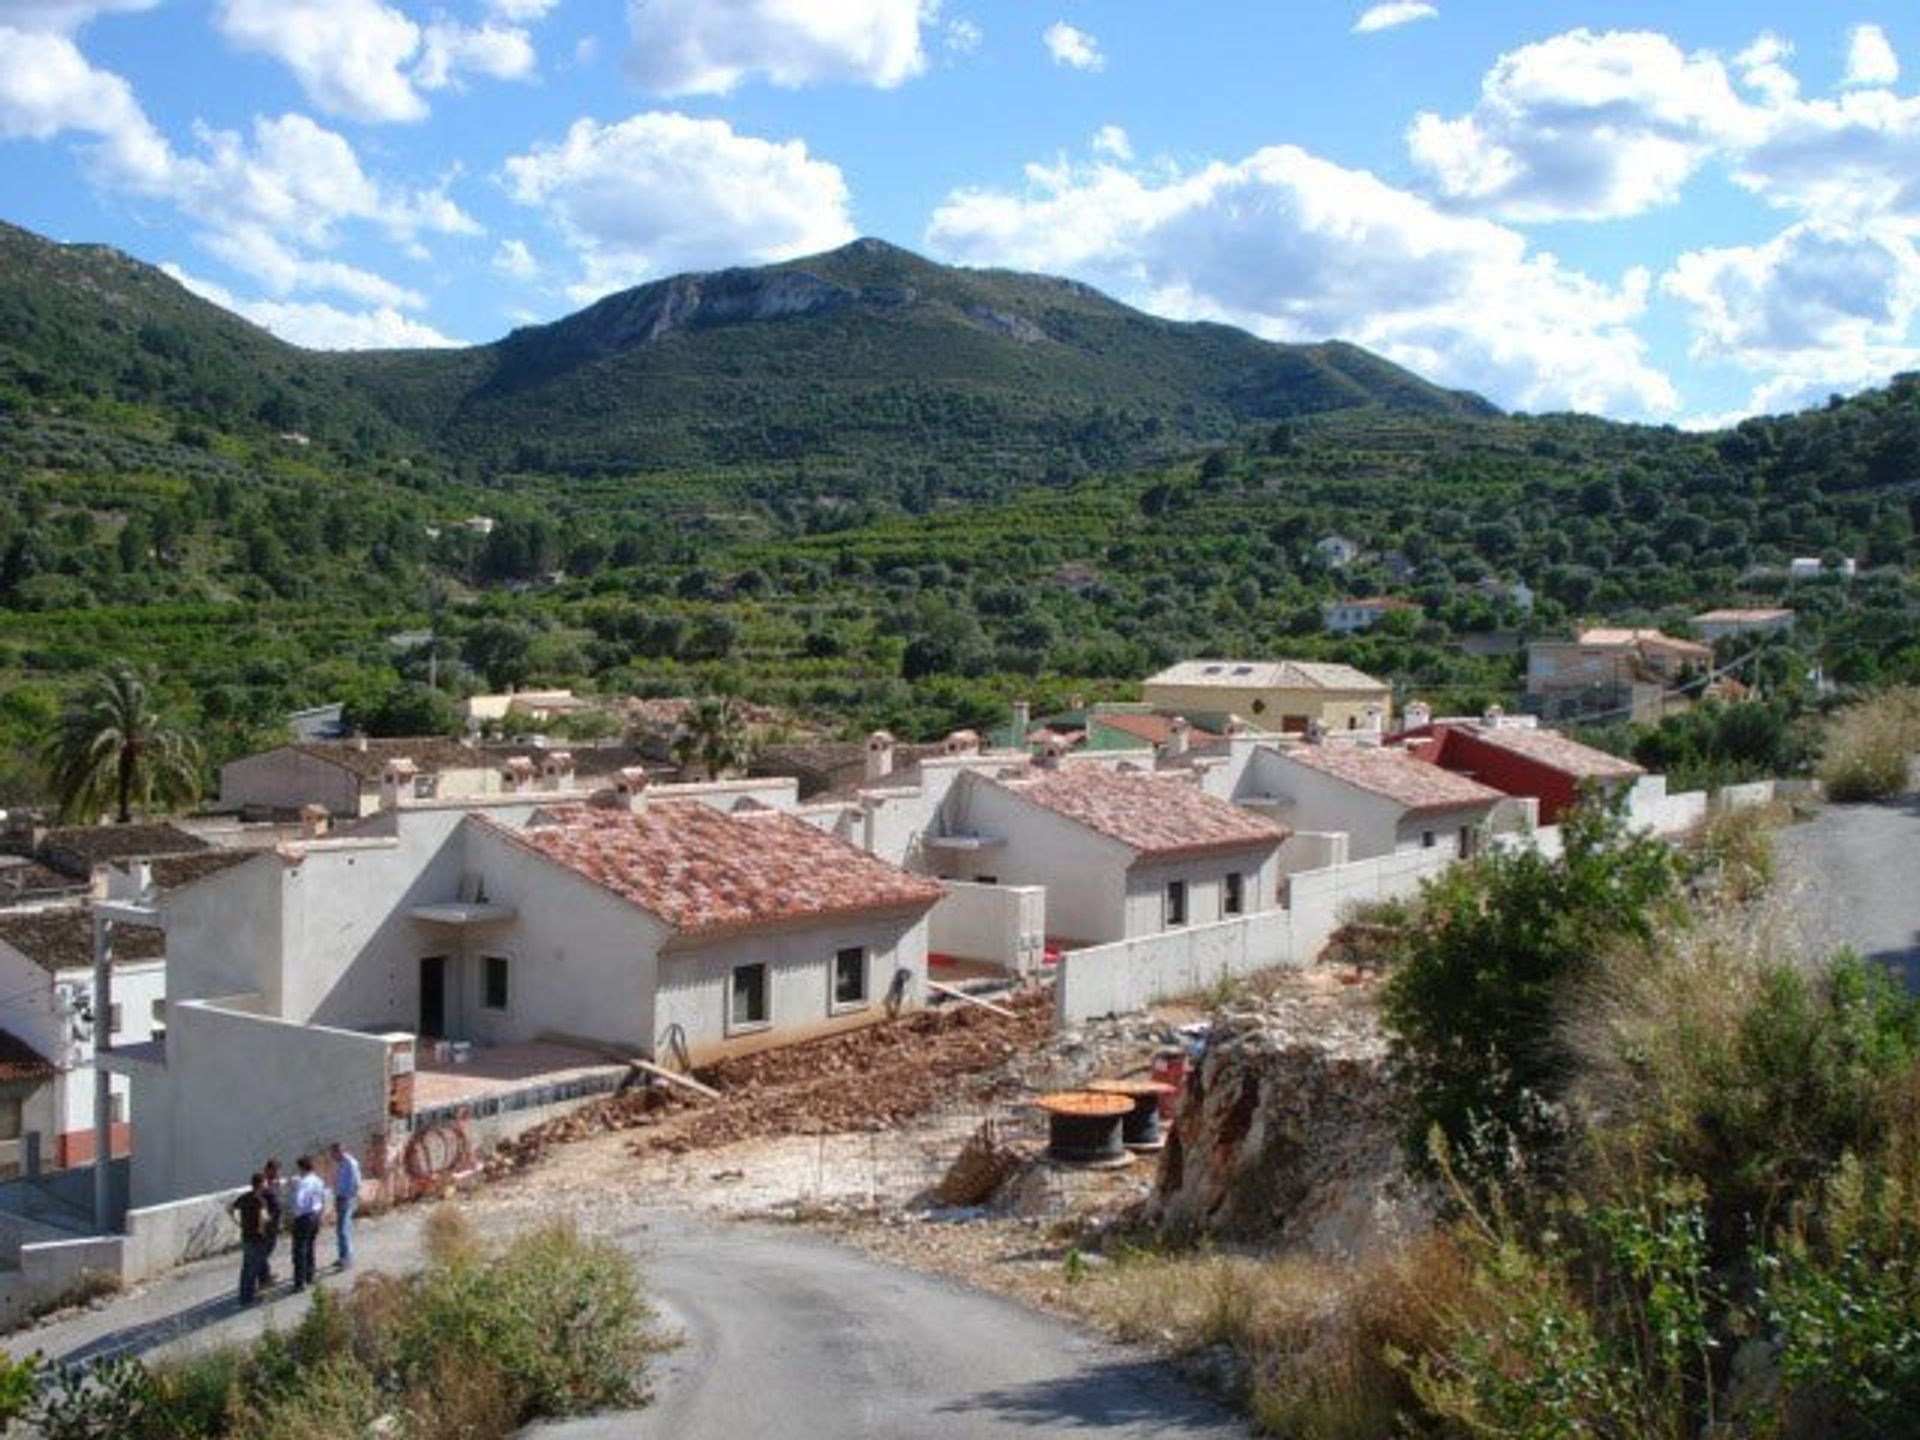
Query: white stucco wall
x: 695, y: 980
x: 1085, y: 874
x: 1205, y: 877
x: 1315, y: 801
x: 1003, y: 924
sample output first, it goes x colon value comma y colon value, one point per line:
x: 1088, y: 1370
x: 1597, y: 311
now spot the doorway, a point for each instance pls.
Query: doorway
x: 433, y: 996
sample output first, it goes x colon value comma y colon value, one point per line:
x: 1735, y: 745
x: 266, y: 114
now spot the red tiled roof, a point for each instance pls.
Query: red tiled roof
x: 1150, y: 728
x: 1404, y: 779
x: 1557, y: 752
x: 1153, y: 817
x: 20, y: 1061
x: 703, y: 872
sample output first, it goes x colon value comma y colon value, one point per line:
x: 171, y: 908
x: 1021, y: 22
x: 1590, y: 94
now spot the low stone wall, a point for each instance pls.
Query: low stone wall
x: 53, y: 1269
x: 160, y: 1237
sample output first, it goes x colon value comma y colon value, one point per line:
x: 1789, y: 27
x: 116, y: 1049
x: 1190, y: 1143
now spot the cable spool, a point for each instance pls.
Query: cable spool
x: 1083, y: 1127
x: 1140, y: 1126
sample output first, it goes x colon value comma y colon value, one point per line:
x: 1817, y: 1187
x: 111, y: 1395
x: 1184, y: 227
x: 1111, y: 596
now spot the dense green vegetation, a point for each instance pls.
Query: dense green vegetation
x: 864, y: 487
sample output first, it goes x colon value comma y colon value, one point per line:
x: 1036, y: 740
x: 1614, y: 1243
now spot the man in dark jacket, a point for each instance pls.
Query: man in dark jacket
x: 249, y: 1209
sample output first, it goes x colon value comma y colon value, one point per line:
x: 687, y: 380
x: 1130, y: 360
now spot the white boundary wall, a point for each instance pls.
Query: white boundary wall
x: 1004, y: 924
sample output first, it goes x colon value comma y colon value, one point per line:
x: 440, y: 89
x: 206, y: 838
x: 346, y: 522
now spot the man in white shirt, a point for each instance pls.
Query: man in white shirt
x: 309, y: 1204
x: 346, y: 1198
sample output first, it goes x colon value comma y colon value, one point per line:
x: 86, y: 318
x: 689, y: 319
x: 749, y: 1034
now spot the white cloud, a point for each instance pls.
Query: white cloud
x: 521, y: 12
x: 502, y: 52
x: 1582, y: 126
x: 963, y: 36
x: 1853, y: 158
x: 1113, y: 142
x: 662, y: 192
x: 1870, y: 57
x: 515, y: 259
x: 1295, y: 247
x: 65, y: 15
x: 1075, y: 48
x: 710, y: 47
x: 320, y: 327
x: 1393, y: 13
x: 1818, y: 308
x: 48, y: 88
x: 1763, y: 68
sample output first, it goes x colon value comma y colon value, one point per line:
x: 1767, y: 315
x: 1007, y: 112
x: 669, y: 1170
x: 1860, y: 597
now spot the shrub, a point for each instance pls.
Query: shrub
x: 1868, y: 746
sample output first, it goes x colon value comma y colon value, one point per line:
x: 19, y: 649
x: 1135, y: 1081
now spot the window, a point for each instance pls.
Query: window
x: 747, y: 1000
x: 113, y: 1020
x: 1426, y: 839
x: 986, y: 879
x: 1176, y: 903
x: 159, y: 1014
x: 117, y: 1108
x: 493, y: 983
x: 10, y: 1118
x: 1234, y: 897
x: 1259, y: 707
x: 849, y: 977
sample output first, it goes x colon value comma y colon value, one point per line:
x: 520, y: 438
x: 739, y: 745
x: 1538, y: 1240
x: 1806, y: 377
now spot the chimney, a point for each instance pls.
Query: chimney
x: 962, y: 742
x: 396, y: 781
x: 1493, y: 717
x: 556, y: 770
x: 1316, y: 731
x: 879, y: 756
x: 1419, y: 714
x: 1178, y: 730
x: 1237, y: 728
x: 1051, y: 749
x: 630, y: 789
x: 1022, y: 722
x: 360, y: 742
x: 314, y: 821
x: 516, y: 775
x: 1373, y: 725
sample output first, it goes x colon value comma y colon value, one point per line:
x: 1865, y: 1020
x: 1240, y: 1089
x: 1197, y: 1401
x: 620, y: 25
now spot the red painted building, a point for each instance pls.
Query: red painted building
x: 1524, y: 761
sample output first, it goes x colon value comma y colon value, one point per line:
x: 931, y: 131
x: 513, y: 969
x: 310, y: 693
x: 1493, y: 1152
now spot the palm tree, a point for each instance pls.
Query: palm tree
x: 714, y: 738
x: 110, y: 747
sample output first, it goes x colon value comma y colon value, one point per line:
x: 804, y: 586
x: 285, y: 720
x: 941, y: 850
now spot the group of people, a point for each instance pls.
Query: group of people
x: 269, y: 1200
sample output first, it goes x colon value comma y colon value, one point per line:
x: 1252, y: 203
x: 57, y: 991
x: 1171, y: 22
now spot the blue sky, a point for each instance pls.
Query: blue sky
x: 1675, y: 213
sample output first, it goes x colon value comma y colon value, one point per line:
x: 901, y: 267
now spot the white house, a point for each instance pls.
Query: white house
x: 1348, y: 617
x: 47, y: 1004
x: 1716, y: 625
x: 1383, y: 798
x: 312, y: 989
x: 1120, y: 853
x: 1337, y: 550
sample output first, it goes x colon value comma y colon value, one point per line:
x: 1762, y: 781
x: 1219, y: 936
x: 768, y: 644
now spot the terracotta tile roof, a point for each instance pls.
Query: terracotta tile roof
x: 1154, y: 817
x: 63, y: 939
x: 1552, y: 749
x: 1748, y: 617
x: 1408, y: 781
x: 20, y: 1061
x: 705, y: 873
x: 76, y: 849
x: 1150, y: 728
x: 1267, y: 675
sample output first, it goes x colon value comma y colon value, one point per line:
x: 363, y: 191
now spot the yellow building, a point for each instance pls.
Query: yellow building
x: 1286, y: 695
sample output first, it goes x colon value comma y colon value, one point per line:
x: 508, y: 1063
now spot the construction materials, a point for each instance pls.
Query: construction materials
x: 980, y: 1168
x: 1140, y: 1126
x: 954, y: 993
x: 1170, y: 1069
x: 1083, y: 1127
x: 685, y: 1082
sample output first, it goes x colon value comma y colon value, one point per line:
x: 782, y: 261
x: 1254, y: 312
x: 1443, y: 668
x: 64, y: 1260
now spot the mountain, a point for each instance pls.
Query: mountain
x: 867, y: 362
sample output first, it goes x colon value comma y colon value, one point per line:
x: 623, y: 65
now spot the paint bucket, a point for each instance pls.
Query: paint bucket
x: 1170, y: 1069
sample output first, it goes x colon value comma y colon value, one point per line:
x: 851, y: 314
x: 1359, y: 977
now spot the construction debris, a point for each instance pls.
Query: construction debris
x: 980, y: 1169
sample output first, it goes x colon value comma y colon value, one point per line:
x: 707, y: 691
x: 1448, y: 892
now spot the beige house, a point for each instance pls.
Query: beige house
x: 1609, y: 670
x: 1280, y: 695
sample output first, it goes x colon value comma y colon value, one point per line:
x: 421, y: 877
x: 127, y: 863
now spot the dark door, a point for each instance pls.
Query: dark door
x: 433, y: 995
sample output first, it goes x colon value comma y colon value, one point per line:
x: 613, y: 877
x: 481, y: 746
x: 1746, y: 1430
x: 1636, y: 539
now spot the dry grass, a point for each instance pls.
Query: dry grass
x: 450, y: 1237
x: 1321, y: 1347
x: 1869, y: 746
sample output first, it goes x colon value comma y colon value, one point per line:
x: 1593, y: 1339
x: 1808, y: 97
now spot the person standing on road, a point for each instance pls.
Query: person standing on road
x: 276, y: 1205
x: 346, y: 1194
x: 309, y: 1204
x: 249, y: 1208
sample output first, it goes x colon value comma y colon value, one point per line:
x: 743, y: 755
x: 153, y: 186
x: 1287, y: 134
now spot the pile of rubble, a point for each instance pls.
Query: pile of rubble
x: 869, y: 1079
x: 1288, y: 1134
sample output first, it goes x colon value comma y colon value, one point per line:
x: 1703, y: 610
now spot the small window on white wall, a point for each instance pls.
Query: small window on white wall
x: 747, y: 997
x: 493, y: 983
x: 1233, y: 900
x: 1176, y: 902
x: 849, y: 977
x: 10, y: 1118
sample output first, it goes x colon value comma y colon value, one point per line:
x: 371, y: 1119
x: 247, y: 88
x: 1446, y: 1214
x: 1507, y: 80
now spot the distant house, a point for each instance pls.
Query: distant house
x: 1115, y: 728
x: 532, y: 707
x: 78, y: 851
x: 1121, y: 854
x: 1386, y: 800
x: 1347, y: 617
x: 1520, y: 759
x: 1517, y: 592
x: 26, y: 1105
x: 321, y: 722
x: 1284, y: 695
x: 1812, y: 567
x: 1337, y: 550
x: 1605, y: 670
x: 1716, y: 625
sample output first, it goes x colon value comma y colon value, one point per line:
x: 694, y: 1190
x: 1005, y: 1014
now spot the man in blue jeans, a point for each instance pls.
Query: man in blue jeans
x: 346, y: 1195
x: 250, y: 1209
x: 309, y: 1204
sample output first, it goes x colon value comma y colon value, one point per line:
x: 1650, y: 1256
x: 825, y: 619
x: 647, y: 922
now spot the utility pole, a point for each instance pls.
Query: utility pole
x: 106, y: 915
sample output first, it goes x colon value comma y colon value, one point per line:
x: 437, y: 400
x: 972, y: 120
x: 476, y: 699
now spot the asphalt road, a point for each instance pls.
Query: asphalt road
x: 785, y: 1335
x: 1856, y: 873
x: 782, y: 1334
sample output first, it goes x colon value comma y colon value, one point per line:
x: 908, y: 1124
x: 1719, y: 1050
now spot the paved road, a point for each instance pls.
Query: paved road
x: 783, y: 1335
x: 1857, y: 871
x: 786, y: 1335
